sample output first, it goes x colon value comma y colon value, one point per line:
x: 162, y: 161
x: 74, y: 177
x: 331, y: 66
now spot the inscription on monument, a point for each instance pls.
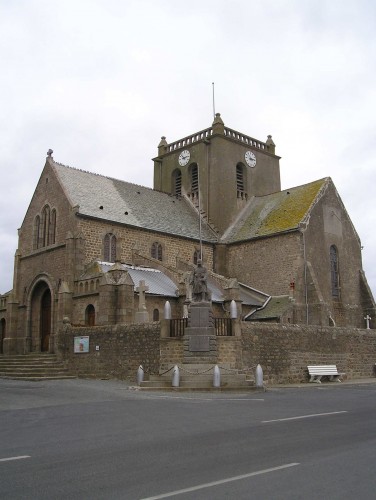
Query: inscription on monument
x: 199, y: 343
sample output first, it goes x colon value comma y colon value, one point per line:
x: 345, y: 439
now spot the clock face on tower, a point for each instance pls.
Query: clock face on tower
x: 250, y: 158
x: 184, y: 157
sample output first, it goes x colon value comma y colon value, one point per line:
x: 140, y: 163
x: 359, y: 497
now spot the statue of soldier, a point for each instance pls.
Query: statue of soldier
x: 199, y: 284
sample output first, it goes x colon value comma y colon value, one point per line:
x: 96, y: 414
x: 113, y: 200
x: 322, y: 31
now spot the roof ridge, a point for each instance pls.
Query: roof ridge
x: 104, y: 176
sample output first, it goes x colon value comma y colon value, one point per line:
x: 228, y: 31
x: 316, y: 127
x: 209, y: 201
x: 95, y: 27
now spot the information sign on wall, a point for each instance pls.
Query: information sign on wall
x: 81, y: 344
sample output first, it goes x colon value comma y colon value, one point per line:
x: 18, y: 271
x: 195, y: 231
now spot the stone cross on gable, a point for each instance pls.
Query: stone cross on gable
x: 141, y: 289
x: 368, y: 319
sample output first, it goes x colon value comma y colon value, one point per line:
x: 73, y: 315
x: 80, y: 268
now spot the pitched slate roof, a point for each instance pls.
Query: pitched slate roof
x: 158, y: 282
x: 275, y: 213
x: 122, y: 202
x: 274, y: 309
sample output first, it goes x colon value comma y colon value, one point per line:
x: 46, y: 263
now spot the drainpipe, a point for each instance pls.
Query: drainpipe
x: 305, y: 277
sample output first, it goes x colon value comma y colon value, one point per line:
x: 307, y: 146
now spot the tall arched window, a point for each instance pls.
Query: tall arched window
x: 109, y: 248
x: 45, y: 226
x: 156, y: 315
x: 156, y: 251
x: 36, y: 232
x: 194, y: 179
x: 90, y: 315
x: 240, y: 181
x: 176, y: 182
x: 334, y: 271
x: 52, y: 229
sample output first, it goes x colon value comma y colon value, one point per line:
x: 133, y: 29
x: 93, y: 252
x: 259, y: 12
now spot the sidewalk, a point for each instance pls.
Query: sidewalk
x: 357, y: 381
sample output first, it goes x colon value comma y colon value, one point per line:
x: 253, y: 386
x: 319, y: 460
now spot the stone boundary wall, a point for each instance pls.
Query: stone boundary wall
x: 283, y: 351
x: 122, y: 348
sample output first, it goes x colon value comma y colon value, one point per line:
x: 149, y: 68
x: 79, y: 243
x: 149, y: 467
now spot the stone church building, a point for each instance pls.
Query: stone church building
x: 100, y: 251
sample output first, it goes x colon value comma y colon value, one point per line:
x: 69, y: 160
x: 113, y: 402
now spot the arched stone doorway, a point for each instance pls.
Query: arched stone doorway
x: 40, y: 318
x: 45, y: 321
x: 2, y: 333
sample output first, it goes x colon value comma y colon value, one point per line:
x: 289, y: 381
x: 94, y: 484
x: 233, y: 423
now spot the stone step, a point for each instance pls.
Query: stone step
x: 35, y: 369
x: 33, y: 366
x: 32, y: 378
x: 30, y: 355
x: 190, y: 387
x: 16, y: 364
x: 199, y: 377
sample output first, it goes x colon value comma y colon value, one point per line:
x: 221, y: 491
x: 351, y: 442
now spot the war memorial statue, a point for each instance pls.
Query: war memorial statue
x: 200, y: 333
x: 199, y: 284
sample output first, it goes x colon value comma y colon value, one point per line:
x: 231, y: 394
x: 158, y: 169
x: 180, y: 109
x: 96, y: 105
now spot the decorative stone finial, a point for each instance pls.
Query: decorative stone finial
x: 162, y: 146
x: 49, y: 153
x: 218, y: 125
x: 270, y: 144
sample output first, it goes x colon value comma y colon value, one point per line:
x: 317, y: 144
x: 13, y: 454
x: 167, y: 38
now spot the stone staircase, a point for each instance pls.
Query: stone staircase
x: 33, y: 367
x: 199, y: 377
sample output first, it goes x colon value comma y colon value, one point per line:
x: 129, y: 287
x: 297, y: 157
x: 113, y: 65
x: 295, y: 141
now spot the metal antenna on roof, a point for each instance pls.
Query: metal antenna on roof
x: 199, y: 211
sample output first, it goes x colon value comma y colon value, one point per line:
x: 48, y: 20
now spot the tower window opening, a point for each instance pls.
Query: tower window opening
x: 176, y: 182
x: 194, y: 180
x: 240, y: 181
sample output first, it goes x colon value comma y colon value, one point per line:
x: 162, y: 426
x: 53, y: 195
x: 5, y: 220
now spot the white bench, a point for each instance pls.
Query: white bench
x: 318, y: 371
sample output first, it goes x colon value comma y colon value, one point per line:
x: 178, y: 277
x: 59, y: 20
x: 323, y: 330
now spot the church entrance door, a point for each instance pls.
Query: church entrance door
x: 2, y: 334
x: 45, y: 321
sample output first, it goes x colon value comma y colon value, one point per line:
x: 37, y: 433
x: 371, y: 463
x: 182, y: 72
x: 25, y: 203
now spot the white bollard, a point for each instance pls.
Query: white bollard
x: 259, y: 377
x: 233, y: 310
x: 167, y: 310
x: 176, y: 377
x: 216, y: 377
x: 140, y: 375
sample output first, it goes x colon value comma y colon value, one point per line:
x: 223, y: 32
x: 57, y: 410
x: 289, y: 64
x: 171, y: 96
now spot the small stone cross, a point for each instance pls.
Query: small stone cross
x: 141, y: 289
x: 368, y: 319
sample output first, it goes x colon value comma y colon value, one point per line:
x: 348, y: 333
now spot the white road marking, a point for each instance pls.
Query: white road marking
x: 14, y: 458
x: 303, y: 416
x: 221, y: 481
x: 185, y: 398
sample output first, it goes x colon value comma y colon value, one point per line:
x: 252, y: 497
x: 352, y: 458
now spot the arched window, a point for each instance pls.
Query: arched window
x: 334, y: 271
x: 90, y: 315
x: 156, y: 315
x: 109, y: 248
x: 45, y: 226
x: 196, y: 257
x: 156, y: 251
x: 52, y: 228
x: 240, y: 181
x: 194, y: 179
x: 36, y: 232
x: 176, y: 182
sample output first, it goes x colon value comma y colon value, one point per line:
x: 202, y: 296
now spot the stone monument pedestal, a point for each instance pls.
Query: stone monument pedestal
x: 199, y: 337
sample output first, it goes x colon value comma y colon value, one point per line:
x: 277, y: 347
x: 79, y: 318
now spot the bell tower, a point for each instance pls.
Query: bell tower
x: 220, y: 167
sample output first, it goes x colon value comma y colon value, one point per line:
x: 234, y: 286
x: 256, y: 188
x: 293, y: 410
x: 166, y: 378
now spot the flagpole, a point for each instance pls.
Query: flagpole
x: 199, y: 211
x: 213, y: 101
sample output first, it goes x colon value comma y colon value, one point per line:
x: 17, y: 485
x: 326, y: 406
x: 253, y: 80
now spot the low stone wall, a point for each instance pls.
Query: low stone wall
x: 122, y: 348
x: 283, y: 351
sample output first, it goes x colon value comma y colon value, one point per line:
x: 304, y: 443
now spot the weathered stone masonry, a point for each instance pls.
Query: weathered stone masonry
x: 283, y: 351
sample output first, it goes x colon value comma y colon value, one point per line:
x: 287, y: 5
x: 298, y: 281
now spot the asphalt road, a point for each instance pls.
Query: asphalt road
x: 85, y: 439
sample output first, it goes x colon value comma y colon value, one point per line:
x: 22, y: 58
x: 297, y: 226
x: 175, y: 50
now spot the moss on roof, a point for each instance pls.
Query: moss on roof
x: 277, y: 212
x: 274, y: 309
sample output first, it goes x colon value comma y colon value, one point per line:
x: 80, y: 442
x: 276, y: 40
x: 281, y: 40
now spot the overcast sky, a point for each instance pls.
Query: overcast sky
x: 100, y: 81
